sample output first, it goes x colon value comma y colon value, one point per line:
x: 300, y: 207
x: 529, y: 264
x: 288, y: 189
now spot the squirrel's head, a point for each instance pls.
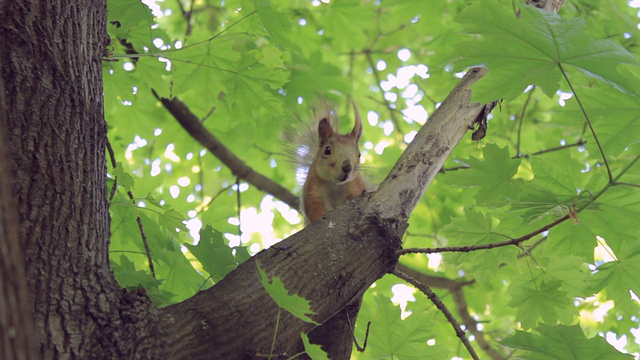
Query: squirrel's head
x: 338, y: 157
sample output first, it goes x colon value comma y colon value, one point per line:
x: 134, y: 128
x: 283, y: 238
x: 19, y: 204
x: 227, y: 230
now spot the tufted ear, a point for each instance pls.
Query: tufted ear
x: 325, y: 131
x: 357, y: 127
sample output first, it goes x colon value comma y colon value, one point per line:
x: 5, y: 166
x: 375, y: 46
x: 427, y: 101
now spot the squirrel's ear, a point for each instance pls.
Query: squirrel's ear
x: 357, y: 128
x: 325, y: 130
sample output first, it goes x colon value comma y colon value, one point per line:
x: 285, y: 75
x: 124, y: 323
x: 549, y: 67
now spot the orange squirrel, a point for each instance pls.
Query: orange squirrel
x: 334, y: 169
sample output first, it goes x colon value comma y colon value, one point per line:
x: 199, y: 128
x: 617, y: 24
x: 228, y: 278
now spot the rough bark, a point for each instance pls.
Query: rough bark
x: 330, y: 263
x: 51, y: 53
x: 16, y: 324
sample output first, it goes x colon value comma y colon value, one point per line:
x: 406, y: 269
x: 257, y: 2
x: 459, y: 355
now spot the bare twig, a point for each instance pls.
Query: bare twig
x: 394, y: 119
x: 145, y: 242
x: 441, y: 306
x: 521, y: 120
x: 366, y: 335
x: 470, y: 248
x: 239, y: 207
x: 456, y: 289
x: 454, y: 168
x: 586, y: 118
x: 472, y: 325
x: 112, y: 157
x: 557, y: 148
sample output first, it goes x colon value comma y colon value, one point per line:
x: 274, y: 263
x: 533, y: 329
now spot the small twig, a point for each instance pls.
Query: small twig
x: 586, y: 118
x: 220, y: 192
x: 472, y: 325
x: 557, y: 148
x: 213, y: 108
x: 353, y: 333
x: 112, y: 158
x: 187, y: 16
x: 521, y: 120
x: 138, y: 219
x: 454, y: 168
x: 441, y: 306
x: 627, y: 184
x: 470, y: 248
x: 455, y: 287
x: 145, y: 242
x: 239, y: 206
x: 395, y: 121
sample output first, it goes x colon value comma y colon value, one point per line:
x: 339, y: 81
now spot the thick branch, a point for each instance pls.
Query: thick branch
x: 398, y: 195
x: 238, y: 167
x: 331, y: 262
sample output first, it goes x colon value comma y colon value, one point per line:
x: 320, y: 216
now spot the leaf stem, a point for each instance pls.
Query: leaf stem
x: 524, y: 110
x: 588, y: 121
x: 275, y: 334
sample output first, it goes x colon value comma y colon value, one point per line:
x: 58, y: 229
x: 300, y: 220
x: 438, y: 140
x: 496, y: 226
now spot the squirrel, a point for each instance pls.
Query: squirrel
x: 333, y: 162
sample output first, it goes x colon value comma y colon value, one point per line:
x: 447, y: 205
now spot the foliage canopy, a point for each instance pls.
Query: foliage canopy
x: 558, y: 167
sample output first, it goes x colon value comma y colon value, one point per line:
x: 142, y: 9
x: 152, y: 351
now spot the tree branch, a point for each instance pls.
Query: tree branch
x: 398, y: 195
x: 238, y: 167
x: 456, y: 289
x: 470, y: 248
x: 318, y: 260
x: 441, y: 306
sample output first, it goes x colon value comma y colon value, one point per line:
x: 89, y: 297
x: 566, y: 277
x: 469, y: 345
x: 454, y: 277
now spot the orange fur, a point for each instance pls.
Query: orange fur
x: 334, y: 175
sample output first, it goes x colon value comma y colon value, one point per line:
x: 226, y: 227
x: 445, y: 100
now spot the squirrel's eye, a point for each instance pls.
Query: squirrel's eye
x: 327, y: 150
x: 359, y: 155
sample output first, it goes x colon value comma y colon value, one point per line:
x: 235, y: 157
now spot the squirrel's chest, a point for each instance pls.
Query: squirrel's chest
x: 335, y: 196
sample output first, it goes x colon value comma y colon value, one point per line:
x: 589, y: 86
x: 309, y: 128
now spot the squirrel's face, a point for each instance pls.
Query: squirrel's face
x: 338, y: 159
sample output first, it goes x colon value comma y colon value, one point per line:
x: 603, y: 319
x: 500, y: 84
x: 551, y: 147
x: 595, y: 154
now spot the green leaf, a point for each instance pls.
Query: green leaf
x: 544, y: 302
x: 314, y: 351
x: 492, y: 174
x: 213, y: 253
x: 621, y: 277
x: 571, y: 239
x: 293, y: 303
x: 124, y: 178
x: 615, y: 118
x: 391, y: 336
x: 276, y: 23
x: 128, y: 276
x: 561, y: 343
x: 172, y: 220
x: 533, y: 48
x: 478, y: 229
x: 571, y: 270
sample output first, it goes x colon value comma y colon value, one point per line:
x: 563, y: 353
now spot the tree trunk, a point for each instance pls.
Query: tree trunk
x: 51, y: 53
x: 16, y: 324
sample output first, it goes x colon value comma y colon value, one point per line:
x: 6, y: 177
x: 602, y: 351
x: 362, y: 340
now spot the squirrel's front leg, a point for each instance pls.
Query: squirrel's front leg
x: 314, y: 208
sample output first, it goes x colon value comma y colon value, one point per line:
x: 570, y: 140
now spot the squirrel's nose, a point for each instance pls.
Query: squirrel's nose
x: 346, y: 166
